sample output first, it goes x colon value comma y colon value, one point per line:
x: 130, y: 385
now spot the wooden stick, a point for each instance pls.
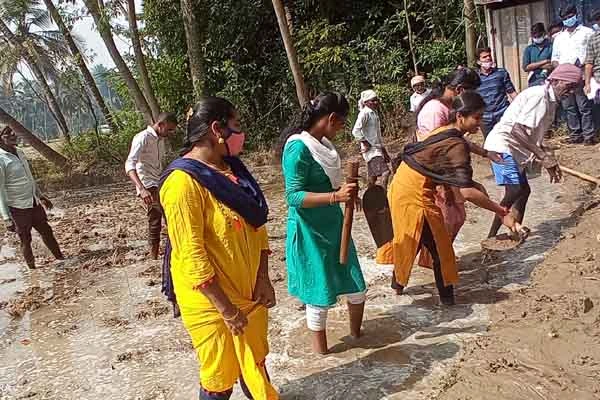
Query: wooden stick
x: 580, y: 175
x: 352, y: 177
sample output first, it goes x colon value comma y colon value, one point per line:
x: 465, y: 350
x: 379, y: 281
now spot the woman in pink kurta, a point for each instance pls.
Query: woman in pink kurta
x: 434, y: 113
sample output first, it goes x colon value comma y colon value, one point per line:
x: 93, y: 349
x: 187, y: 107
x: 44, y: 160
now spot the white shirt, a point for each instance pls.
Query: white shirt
x: 416, y: 99
x: 145, y: 157
x: 368, y: 127
x: 571, y: 47
x: 534, y: 108
x: 17, y: 186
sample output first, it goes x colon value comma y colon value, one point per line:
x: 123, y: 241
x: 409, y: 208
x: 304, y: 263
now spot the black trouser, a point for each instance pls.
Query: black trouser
x: 579, y: 115
x: 428, y: 242
x: 26, y: 219
x: 488, y: 123
x: 155, y: 215
x: 515, y: 197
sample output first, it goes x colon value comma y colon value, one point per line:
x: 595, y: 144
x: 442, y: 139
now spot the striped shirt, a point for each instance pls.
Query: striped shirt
x: 494, y: 88
x: 593, y: 54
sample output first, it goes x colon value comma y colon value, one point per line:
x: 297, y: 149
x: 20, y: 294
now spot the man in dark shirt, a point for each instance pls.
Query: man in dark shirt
x: 496, y: 88
x: 537, y: 56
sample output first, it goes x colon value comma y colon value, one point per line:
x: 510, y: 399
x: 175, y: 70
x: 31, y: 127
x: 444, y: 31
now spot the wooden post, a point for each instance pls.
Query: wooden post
x: 470, y: 15
x: 351, y: 177
x: 410, y: 39
x: 291, y: 52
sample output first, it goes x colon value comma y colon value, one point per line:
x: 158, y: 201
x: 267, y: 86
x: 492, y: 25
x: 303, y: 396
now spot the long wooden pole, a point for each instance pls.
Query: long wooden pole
x: 290, y: 49
x: 410, y: 39
x: 580, y: 175
x: 352, y: 177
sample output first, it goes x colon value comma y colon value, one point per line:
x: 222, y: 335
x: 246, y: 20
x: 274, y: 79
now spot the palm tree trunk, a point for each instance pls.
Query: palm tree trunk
x: 194, y: 37
x: 46, y: 151
x: 90, y: 83
x: 470, y: 31
x: 94, y: 7
x: 140, y: 59
x: 39, y: 75
x: 291, y: 52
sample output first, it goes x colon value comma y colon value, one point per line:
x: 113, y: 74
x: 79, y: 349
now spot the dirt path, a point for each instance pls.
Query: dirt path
x: 99, y: 328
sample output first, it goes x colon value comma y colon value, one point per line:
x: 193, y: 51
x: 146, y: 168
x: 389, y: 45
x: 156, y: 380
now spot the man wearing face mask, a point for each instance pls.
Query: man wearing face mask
x: 496, y: 89
x: 144, y: 166
x: 519, y: 137
x: 570, y: 47
x: 537, y: 56
x: 554, y: 29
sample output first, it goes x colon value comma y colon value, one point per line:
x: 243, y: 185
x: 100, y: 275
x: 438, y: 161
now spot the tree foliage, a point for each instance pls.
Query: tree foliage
x: 345, y: 46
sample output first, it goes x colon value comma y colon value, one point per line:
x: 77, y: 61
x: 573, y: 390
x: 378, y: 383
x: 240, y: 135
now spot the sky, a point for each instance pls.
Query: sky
x: 86, y: 30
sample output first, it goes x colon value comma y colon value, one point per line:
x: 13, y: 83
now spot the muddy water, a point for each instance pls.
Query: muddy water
x: 104, y: 331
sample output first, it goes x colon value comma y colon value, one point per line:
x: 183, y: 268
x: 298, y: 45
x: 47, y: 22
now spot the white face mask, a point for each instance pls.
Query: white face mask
x: 539, y: 40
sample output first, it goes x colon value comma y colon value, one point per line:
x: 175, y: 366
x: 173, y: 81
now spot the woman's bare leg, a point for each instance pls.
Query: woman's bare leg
x: 319, y: 342
x: 356, y: 312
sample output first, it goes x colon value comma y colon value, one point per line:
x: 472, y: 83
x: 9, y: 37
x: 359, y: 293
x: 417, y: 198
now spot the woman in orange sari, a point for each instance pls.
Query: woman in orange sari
x: 432, y: 114
x: 442, y: 159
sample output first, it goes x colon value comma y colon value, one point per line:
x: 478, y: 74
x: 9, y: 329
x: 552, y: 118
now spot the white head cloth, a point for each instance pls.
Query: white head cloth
x: 366, y: 96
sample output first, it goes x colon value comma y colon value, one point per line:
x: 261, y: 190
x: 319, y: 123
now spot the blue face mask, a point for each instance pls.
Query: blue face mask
x: 596, y: 27
x: 570, y: 22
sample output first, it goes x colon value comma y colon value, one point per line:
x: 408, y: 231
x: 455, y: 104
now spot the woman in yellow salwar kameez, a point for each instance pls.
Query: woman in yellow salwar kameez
x: 442, y: 159
x: 218, y: 254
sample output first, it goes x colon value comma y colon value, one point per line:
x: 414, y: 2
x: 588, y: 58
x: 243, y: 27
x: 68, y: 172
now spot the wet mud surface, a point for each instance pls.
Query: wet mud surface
x: 526, y: 321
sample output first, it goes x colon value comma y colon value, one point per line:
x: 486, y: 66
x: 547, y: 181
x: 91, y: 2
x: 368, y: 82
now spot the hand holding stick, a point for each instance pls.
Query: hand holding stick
x: 352, y: 177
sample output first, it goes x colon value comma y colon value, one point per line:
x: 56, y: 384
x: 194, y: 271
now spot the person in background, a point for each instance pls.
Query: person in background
x: 434, y: 110
x: 144, y: 166
x: 570, y: 47
x: 442, y: 159
x: 496, y: 89
x: 420, y: 92
x: 367, y: 131
x: 592, y: 69
x: 554, y: 30
x: 314, y: 190
x: 21, y: 201
x: 218, y: 254
x: 537, y: 56
x: 435, y: 113
x: 519, y: 136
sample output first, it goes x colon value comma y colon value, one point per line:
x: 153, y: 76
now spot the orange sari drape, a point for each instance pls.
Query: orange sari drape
x: 412, y: 199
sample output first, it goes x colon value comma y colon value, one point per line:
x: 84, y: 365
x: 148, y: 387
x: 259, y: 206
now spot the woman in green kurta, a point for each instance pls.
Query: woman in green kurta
x: 314, y: 189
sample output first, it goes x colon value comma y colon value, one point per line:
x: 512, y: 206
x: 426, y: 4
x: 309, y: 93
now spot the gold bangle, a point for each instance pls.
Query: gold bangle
x: 232, y: 318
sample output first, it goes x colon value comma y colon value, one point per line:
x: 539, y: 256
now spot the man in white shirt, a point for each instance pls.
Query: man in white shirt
x: 144, y: 167
x: 367, y: 131
x: 570, y: 47
x: 420, y: 92
x: 21, y: 199
x: 519, y: 135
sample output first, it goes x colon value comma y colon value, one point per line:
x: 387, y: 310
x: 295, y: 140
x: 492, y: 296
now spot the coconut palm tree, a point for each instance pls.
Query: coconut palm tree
x: 97, y: 11
x: 140, y: 59
x: 33, y: 42
x: 45, y: 150
x: 80, y: 61
x: 194, y: 35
